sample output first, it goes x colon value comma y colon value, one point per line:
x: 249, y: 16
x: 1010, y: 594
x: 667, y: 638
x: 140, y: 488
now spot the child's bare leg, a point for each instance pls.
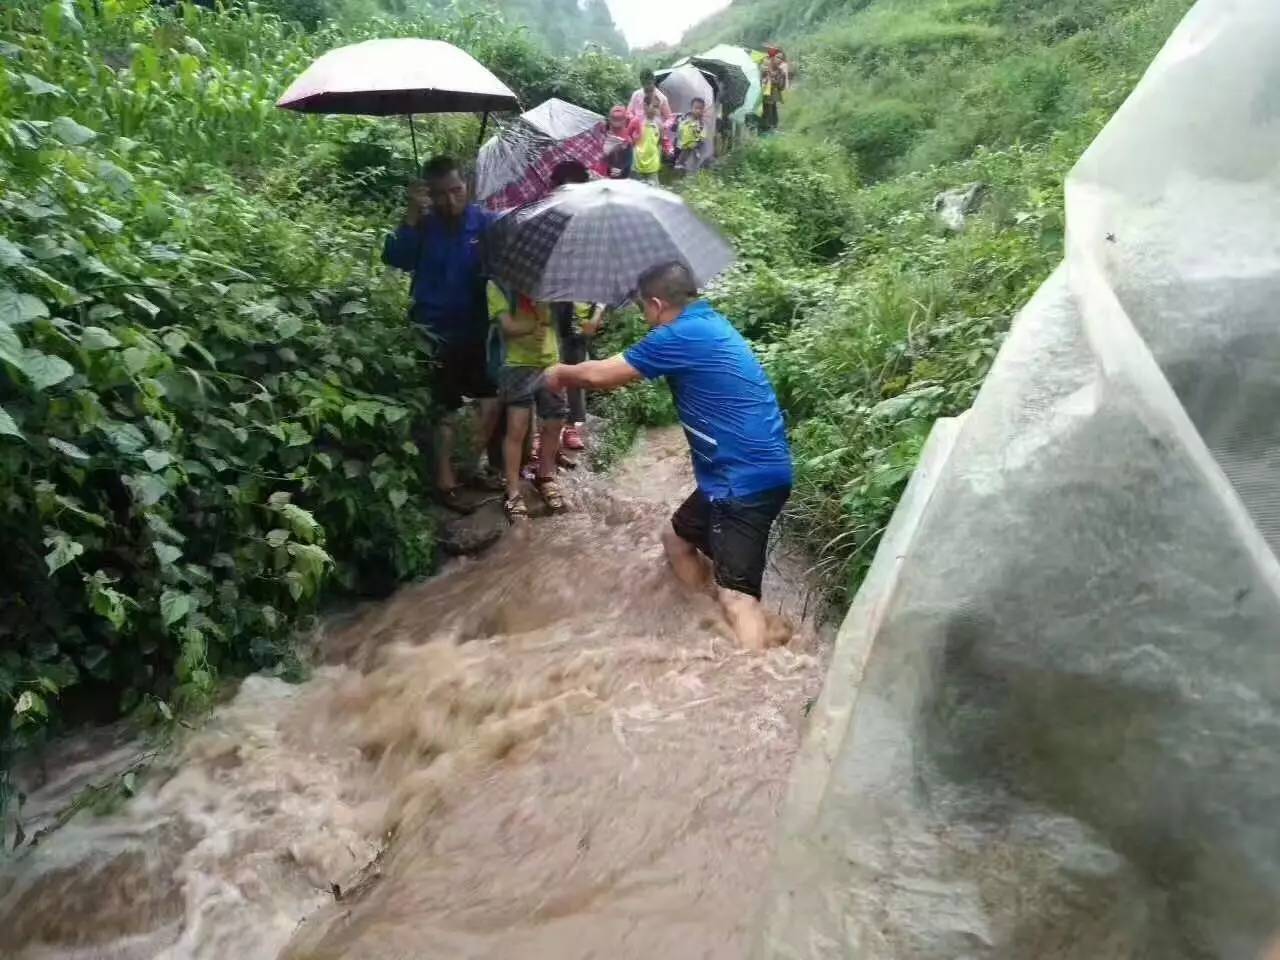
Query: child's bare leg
x: 513, y: 446
x: 689, y: 566
x: 550, y: 448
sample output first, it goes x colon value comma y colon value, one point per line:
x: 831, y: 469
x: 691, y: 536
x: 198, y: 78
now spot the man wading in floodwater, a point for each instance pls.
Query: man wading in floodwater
x: 730, y: 415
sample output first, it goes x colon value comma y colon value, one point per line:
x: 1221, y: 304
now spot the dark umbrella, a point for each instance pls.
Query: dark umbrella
x: 592, y: 241
x: 732, y: 82
x: 401, y: 75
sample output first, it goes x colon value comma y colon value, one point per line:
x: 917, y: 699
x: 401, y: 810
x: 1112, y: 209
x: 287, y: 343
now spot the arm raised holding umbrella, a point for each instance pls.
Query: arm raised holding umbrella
x: 719, y: 537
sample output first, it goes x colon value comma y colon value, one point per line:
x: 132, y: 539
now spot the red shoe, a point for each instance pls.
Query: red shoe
x: 571, y: 439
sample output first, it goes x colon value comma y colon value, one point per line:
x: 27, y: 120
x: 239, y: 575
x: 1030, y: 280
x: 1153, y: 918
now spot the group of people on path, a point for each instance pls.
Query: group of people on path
x: 718, y: 538
x: 645, y: 134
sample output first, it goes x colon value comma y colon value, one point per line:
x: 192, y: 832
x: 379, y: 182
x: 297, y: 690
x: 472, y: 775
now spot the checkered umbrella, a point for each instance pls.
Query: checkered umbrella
x: 592, y: 241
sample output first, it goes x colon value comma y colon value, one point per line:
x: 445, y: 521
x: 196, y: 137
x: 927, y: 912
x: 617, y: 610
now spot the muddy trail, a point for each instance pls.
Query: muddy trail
x: 550, y: 751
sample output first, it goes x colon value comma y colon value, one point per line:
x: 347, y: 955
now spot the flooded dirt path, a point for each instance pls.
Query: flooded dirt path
x: 549, y: 751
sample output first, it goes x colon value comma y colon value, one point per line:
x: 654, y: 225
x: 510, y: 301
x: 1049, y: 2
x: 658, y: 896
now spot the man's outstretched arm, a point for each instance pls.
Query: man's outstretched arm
x: 593, y: 375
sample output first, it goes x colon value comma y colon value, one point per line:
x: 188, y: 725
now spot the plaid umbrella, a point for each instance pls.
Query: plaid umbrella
x: 592, y: 241
x: 514, y: 167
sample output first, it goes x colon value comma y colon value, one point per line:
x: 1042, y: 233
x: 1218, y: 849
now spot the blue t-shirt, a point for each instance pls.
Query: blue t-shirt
x: 727, y: 406
x: 447, y: 287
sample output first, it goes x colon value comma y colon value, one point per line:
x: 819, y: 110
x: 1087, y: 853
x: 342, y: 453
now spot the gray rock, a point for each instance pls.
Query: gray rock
x: 465, y: 536
x: 954, y: 207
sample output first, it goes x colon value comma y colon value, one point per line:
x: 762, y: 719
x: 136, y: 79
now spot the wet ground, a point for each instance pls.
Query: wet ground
x: 550, y: 751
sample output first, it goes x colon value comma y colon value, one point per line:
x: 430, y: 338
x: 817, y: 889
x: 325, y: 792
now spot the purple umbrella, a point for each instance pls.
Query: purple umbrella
x: 398, y: 76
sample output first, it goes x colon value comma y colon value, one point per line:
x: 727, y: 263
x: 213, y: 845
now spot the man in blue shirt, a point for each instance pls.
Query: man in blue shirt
x: 439, y: 243
x: 738, y: 442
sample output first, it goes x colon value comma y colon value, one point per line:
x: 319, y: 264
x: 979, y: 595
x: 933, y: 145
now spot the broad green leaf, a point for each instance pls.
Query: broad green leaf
x: 175, y: 341
x: 301, y: 522
x: 44, y: 370
x: 8, y: 427
x: 142, y: 303
x: 70, y: 132
x: 125, y: 437
x: 162, y: 528
x: 11, y: 349
x: 398, y: 498
x: 288, y: 326
x: 18, y: 308
x: 41, y: 88
x: 97, y: 338
x: 10, y: 254
x: 118, y: 181
x: 157, y: 459
x: 62, y: 550
x: 277, y: 538
x: 147, y: 488
x: 104, y: 311
x: 68, y: 449
x: 353, y: 307
x: 137, y: 359
x: 175, y: 605
x: 167, y: 553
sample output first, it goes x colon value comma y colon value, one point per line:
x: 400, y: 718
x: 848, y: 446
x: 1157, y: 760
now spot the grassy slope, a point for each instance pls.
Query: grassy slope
x: 874, y: 320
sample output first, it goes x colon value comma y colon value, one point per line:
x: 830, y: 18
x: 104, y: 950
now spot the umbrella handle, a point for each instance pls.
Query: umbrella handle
x: 484, y: 123
x: 413, y: 135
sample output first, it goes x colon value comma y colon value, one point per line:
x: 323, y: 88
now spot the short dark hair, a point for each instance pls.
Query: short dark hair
x: 646, y: 77
x: 697, y: 100
x: 671, y: 282
x: 438, y: 167
x: 569, y: 171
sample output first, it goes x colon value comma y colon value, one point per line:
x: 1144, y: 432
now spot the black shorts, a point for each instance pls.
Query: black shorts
x: 733, y: 533
x: 461, y: 370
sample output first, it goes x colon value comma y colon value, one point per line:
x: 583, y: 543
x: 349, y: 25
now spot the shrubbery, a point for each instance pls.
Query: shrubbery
x: 208, y: 393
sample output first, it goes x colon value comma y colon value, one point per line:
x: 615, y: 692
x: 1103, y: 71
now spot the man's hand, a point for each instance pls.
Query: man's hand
x: 417, y: 202
x: 591, y: 327
x: 554, y: 377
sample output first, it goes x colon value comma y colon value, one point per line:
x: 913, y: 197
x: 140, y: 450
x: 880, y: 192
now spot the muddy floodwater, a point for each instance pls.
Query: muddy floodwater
x: 552, y: 751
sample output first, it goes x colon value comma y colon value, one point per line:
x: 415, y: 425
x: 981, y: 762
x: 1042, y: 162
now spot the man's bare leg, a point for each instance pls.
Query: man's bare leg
x: 488, y: 411
x: 746, y: 616
x: 518, y: 419
x: 690, y: 567
x: 446, y: 479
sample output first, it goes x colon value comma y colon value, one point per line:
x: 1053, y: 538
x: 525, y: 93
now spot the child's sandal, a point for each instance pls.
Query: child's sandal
x: 515, y: 508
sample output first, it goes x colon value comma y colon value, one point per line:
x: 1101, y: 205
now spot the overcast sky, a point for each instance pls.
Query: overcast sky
x: 646, y: 22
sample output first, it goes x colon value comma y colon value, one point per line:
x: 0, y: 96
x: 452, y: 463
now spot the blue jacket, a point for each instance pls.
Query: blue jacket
x: 726, y: 403
x: 447, y: 286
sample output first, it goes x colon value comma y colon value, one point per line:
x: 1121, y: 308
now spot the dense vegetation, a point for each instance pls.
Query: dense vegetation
x: 873, y: 318
x: 209, y: 398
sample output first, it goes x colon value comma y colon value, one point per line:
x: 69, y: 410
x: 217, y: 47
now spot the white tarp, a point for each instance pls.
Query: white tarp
x: 1051, y: 729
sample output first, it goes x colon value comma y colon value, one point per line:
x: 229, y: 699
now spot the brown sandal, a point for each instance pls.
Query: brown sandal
x: 549, y: 490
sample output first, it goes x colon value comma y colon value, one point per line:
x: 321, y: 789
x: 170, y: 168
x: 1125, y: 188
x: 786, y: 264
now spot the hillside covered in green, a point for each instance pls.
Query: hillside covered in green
x: 874, y: 318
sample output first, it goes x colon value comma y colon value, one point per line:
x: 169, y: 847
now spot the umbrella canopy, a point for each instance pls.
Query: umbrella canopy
x: 683, y: 85
x: 397, y: 76
x: 592, y: 241
x: 514, y: 167
x: 732, y: 80
x: 741, y: 57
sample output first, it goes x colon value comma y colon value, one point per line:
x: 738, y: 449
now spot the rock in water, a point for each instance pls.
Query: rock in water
x: 465, y: 536
x: 1051, y: 730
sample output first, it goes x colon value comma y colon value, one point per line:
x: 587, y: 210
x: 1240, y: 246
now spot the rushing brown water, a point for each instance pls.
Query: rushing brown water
x: 552, y: 751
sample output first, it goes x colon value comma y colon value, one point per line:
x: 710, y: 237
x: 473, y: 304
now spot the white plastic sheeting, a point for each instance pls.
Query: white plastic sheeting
x: 1051, y: 728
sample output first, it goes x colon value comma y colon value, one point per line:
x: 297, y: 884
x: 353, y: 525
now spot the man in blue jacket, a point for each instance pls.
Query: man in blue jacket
x: 439, y: 243
x: 737, y: 438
